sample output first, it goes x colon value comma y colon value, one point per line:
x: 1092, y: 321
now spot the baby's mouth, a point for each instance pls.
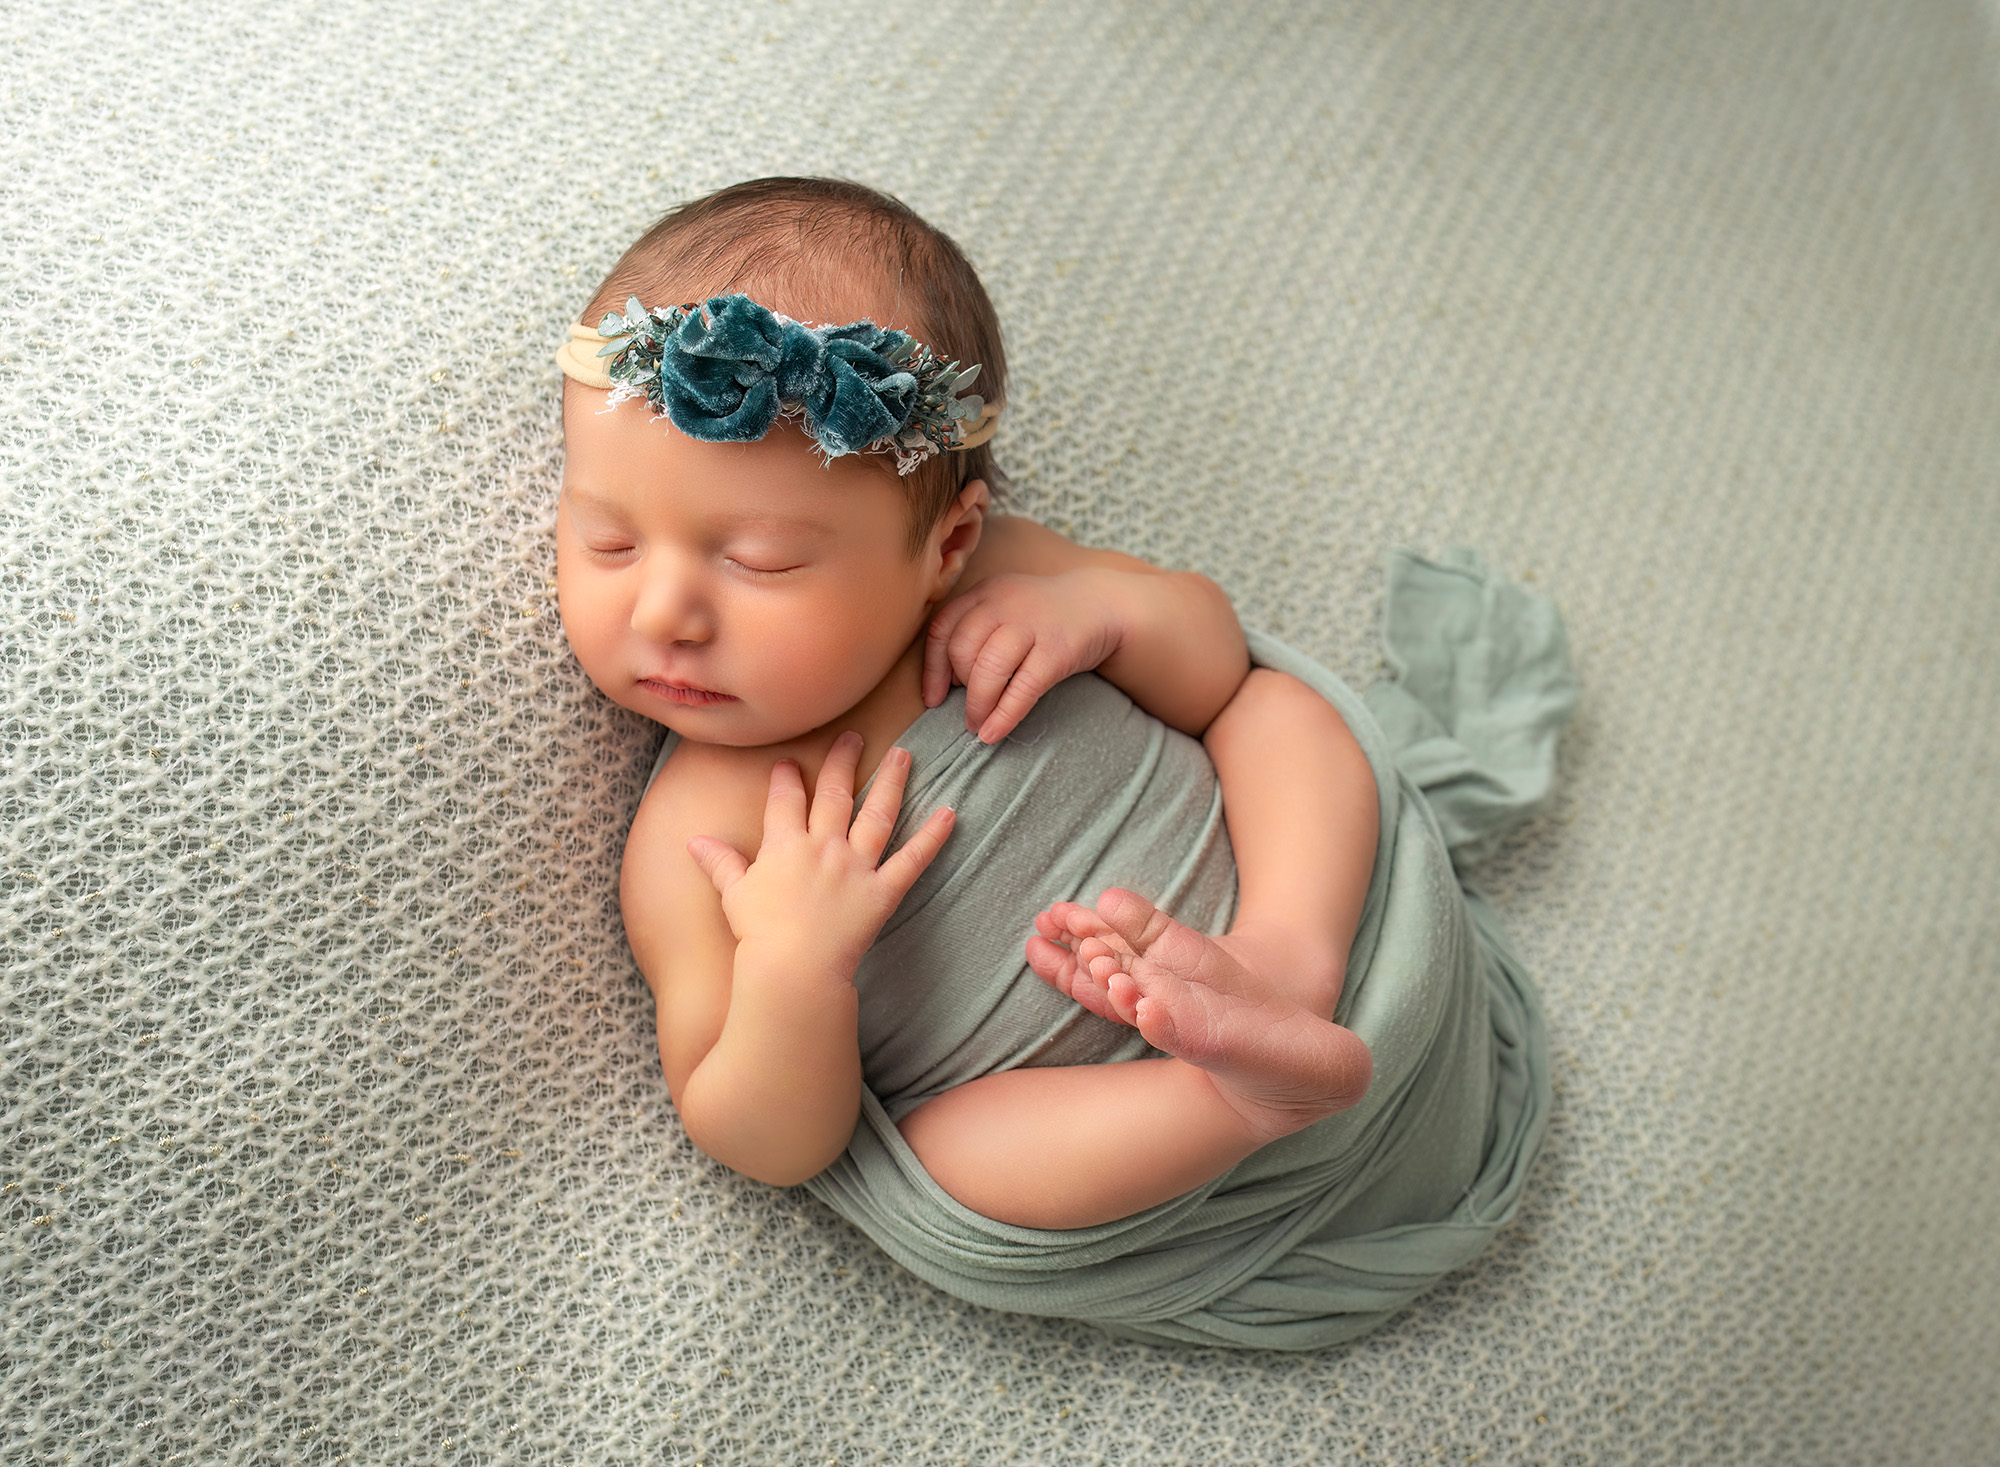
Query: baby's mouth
x: 683, y: 693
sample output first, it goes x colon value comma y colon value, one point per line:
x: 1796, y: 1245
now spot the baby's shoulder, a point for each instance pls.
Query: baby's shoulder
x: 1018, y: 545
x: 705, y: 789
x: 673, y: 918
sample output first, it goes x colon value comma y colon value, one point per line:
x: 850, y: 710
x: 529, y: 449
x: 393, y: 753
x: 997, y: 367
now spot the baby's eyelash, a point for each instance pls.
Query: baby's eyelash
x: 757, y: 570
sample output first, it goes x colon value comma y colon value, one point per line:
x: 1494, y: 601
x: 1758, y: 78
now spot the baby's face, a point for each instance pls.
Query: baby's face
x: 740, y: 593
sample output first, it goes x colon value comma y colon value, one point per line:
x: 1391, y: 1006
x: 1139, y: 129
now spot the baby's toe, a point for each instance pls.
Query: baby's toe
x: 1087, y: 990
x: 1125, y: 999
x: 1135, y: 920
x: 1103, y: 966
x: 1080, y: 921
x: 1156, y: 1024
x: 1073, y: 977
x: 1053, y: 964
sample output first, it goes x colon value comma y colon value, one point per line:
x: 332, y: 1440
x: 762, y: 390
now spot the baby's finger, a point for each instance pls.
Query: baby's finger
x: 991, y: 668
x: 937, y: 649
x: 720, y: 862
x: 833, y: 792
x: 965, y: 626
x: 900, y: 872
x: 785, y: 805
x: 870, y: 834
x: 1042, y: 670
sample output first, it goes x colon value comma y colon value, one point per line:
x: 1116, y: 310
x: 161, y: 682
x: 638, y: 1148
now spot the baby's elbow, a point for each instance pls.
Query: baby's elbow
x: 789, y: 1175
x: 1215, y: 675
x: 1228, y: 625
x: 778, y: 1161
x: 774, y: 1161
x: 782, y: 1169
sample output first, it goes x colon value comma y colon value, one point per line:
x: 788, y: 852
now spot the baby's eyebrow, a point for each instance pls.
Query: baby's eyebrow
x: 750, y: 519
x: 589, y: 500
x: 745, y: 519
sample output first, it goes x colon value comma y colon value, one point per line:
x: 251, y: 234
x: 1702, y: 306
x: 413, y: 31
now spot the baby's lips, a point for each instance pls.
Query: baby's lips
x: 684, y: 692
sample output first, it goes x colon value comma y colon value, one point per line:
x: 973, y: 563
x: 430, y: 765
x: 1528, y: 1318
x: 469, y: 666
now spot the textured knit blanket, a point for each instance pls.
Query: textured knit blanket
x: 1318, y: 1237
x: 331, y: 1115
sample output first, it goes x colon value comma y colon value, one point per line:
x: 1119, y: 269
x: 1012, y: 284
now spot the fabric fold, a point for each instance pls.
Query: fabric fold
x: 1320, y: 1236
x: 1479, y: 688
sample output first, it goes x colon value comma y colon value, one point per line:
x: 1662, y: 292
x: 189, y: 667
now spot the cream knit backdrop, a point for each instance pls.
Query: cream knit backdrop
x: 331, y: 1125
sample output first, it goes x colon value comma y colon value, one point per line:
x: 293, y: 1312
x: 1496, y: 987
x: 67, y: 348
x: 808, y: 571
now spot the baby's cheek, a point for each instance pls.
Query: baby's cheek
x: 584, y: 634
x: 814, y: 669
x: 832, y: 661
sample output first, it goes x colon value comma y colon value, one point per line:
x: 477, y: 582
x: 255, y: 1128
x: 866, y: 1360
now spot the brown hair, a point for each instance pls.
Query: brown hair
x: 821, y: 240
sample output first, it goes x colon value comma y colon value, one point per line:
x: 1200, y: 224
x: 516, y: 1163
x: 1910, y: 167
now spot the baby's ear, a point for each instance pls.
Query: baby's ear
x: 975, y: 503
x: 963, y: 525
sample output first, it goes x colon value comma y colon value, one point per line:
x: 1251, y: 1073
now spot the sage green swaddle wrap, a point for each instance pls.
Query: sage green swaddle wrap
x: 1318, y: 1237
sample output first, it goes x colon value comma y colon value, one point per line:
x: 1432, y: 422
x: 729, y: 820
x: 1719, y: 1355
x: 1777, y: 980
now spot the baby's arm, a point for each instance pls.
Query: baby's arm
x: 756, y: 1003
x: 1035, y: 608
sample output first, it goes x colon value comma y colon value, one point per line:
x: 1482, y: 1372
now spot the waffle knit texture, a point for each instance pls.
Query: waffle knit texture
x: 331, y: 1123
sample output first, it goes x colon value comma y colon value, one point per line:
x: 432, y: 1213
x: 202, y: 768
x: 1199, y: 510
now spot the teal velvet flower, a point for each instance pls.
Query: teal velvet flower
x: 726, y: 369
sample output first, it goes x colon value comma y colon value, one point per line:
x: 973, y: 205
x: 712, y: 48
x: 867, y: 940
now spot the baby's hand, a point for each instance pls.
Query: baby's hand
x: 815, y: 895
x: 1013, y: 637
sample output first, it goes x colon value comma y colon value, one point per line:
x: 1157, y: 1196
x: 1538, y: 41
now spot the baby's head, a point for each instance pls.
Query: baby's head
x: 827, y: 251
x: 760, y: 570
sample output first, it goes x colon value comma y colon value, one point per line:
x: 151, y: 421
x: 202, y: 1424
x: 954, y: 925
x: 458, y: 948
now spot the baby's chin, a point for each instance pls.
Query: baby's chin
x: 733, y: 725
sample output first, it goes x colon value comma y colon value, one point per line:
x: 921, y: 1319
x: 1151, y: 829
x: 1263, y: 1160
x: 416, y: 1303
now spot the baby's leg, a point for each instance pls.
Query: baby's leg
x: 1248, y: 1015
x: 1071, y: 1146
x: 1299, y: 798
x: 1253, y: 1007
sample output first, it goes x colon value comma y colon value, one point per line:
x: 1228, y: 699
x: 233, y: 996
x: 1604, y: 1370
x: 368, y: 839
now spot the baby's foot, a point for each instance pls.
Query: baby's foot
x: 1204, y: 1000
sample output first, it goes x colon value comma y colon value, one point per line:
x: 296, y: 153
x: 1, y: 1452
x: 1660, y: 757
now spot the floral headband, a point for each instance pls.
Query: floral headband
x: 724, y: 370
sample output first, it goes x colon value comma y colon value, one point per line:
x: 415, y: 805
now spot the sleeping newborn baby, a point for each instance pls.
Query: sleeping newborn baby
x: 777, y: 536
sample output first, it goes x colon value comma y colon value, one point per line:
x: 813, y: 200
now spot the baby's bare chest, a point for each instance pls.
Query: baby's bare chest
x: 730, y: 786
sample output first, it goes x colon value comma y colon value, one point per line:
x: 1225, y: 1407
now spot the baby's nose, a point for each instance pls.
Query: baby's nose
x: 672, y: 608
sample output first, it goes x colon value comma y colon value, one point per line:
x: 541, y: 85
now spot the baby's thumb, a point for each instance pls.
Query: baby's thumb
x: 721, y: 862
